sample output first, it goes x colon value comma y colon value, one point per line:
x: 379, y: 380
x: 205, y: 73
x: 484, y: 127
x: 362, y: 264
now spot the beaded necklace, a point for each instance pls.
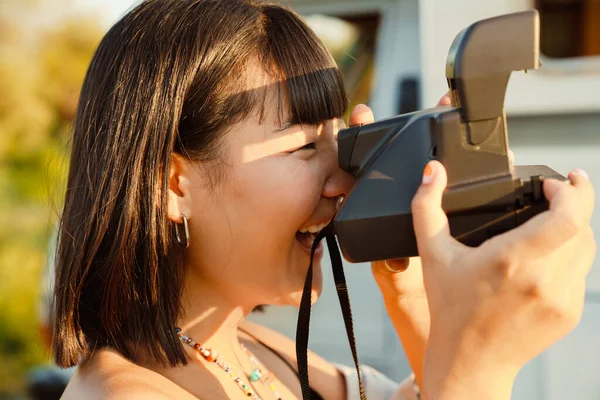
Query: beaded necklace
x: 257, y: 374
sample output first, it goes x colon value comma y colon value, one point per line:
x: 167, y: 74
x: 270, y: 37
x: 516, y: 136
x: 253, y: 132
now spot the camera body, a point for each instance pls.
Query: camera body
x: 485, y: 196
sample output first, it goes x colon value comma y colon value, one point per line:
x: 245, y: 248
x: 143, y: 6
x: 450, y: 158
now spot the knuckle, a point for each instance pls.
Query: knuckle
x: 552, y: 307
x: 507, y: 266
x: 507, y: 262
x: 534, y: 291
x: 549, y: 306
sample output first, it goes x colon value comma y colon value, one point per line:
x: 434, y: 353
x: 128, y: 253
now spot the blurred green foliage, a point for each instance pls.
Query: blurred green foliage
x: 41, y: 72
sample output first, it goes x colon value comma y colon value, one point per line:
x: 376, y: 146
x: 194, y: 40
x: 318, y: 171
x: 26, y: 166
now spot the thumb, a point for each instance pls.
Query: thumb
x: 429, y: 220
x: 360, y: 115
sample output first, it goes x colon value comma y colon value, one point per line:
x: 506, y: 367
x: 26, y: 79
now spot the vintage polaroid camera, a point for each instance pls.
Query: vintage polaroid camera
x: 485, y: 196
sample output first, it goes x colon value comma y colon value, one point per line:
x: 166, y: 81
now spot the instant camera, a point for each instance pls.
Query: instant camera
x: 485, y: 196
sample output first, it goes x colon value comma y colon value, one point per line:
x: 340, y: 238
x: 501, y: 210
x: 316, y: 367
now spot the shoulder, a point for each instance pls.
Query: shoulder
x: 274, y: 340
x: 282, y: 344
x: 109, y: 375
x: 325, y: 377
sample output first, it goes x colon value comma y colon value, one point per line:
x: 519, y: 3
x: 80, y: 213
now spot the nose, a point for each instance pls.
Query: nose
x: 338, y: 183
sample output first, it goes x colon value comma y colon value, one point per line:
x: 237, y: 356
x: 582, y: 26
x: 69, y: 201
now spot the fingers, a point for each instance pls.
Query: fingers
x: 445, y: 100
x: 577, y: 199
x: 580, y: 180
x: 396, y: 265
x: 361, y: 114
x: 430, y: 221
x: 570, y: 211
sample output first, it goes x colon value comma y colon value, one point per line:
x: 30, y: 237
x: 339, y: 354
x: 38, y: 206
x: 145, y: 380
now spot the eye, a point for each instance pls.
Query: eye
x: 308, y: 146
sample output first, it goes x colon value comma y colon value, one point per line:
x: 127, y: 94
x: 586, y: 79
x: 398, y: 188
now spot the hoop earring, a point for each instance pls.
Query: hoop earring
x: 186, y: 231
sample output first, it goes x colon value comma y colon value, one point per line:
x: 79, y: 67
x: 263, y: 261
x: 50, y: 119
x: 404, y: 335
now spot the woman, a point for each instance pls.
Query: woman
x: 204, y: 155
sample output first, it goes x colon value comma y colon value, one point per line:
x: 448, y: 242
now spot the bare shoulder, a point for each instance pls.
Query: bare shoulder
x: 109, y: 375
x: 325, y: 378
x: 262, y: 332
x: 278, y: 342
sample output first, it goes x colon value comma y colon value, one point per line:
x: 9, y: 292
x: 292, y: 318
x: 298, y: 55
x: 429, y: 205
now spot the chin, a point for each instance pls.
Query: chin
x: 294, y: 297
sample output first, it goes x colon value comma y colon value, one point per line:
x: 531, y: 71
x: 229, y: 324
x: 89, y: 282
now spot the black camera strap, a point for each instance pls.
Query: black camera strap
x: 303, y: 327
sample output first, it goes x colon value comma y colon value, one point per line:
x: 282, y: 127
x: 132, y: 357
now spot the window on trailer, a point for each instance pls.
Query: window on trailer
x: 569, y: 28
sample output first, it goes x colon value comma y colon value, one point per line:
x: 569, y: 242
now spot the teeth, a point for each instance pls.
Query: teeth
x: 314, y: 228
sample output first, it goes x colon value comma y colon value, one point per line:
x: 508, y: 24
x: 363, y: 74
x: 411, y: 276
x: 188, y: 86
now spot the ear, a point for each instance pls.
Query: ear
x: 180, y: 196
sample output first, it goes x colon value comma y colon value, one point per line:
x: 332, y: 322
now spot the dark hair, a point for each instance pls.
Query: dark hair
x: 165, y: 79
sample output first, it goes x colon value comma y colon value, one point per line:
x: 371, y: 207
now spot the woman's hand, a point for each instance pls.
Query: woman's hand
x: 495, y: 307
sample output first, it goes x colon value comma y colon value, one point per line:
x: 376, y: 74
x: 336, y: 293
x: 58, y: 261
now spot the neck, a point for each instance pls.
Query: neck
x: 212, y: 319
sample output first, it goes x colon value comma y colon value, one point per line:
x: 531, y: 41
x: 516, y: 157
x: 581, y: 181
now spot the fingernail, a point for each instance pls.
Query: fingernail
x: 581, y: 172
x: 400, y: 267
x: 428, y: 174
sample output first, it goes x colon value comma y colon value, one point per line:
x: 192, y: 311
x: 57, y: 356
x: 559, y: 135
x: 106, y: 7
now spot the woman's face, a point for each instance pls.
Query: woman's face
x: 277, y: 181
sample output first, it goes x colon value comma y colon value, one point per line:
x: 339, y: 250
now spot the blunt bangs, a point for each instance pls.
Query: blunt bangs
x: 313, y: 81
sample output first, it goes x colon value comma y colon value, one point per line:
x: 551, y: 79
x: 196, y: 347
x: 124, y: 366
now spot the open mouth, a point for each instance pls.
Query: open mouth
x: 306, y: 235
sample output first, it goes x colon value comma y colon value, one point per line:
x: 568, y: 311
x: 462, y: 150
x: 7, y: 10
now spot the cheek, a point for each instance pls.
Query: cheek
x: 281, y: 179
x: 277, y: 191
x: 254, y: 215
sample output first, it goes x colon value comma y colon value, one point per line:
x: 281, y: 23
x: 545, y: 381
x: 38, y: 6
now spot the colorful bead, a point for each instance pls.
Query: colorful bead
x: 255, y: 375
x: 212, y: 355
